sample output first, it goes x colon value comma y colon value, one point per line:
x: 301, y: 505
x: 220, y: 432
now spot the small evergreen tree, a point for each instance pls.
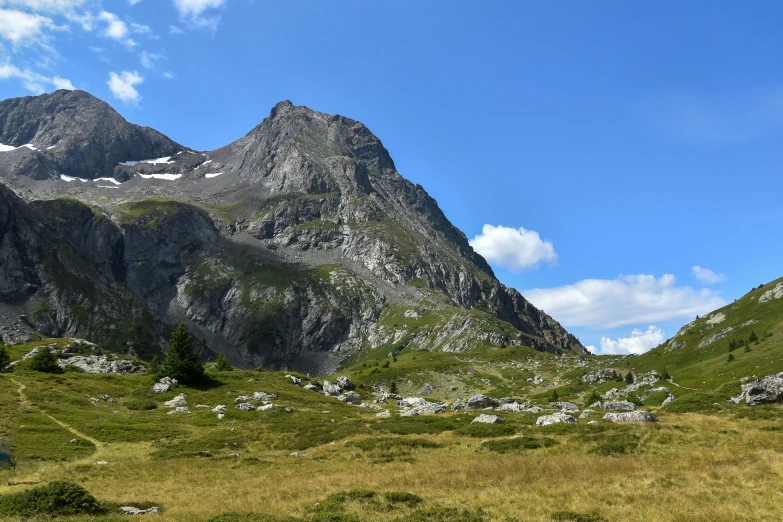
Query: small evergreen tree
x: 4, y: 358
x: 45, y: 362
x: 731, y: 357
x: 554, y: 397
x: 182, y: 362
x: 393, y: 387
x: 153, y: 367
x: 665, y: 375
x: 222, y: 364
x: 593, y: 398
x: 629, y: 378
x: 753, y: 338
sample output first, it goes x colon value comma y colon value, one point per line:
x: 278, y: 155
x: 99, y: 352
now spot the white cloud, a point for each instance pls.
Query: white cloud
x: 34, y: 82
x: 627, y: 300
x: 638, y: 343
x: 707, y: 276
x: 133, y: 2
x: 62, y: 83
x: 20, y: 28
x: 115, y: 28
x: 123, y: 85
x: 516, y: 249
x: 194, y: 13
x: 168, y: 75
x: 148, y: 59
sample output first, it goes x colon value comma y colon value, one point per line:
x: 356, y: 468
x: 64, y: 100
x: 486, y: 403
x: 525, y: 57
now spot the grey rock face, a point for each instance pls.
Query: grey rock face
x: 555, y: 418
x: 631, y: 416
x: 479, y: 402
x: 350, y: 397
x: 764, y: 391
x: 288, y: 264
x: 487, y: 419
x: 413, y: 406
x: 425, y: 390
x: 101, y: 364
x: 331, y: 389
x: 88, y: 138
x: 600, y: 376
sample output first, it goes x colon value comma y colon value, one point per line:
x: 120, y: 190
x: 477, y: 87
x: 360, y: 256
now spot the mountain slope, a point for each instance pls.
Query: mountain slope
x: 77, y: 135
x: 750, y: 329
x: 299, y: 245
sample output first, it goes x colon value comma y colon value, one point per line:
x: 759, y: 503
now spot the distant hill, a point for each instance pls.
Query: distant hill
x: 750, y: 329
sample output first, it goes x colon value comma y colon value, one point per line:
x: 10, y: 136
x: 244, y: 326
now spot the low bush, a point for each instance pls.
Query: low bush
x: 58, y: 498
x: 518, y: 444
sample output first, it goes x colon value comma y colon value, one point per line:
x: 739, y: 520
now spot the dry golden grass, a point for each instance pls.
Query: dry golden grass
x: 710, y: 469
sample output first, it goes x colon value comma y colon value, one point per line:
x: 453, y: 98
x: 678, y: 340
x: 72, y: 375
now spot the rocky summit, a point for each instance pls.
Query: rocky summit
x: 297, y: 246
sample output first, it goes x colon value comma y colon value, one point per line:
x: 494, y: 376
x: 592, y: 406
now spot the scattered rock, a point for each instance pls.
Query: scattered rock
x: 179, y: 400
x: 370, y: 406
x: 617, y: 405
x: 220, y: 408
x: 555, y: 418
x: 101, y: 463
x: 565, y: 406
x: 426, y: 390
x: 331, y: 389
x: 350, y: 397
x: 245, y: 406
x: 96, y: 364
x: 774, y: 293
x: 265, y: 407
x: 311, y: 387
x: 603, y: 375
x: 487, y: 419
x: 385, y: 414
x: 164, y: 385
x: 130, y: 510
x: 296, y: 380
x: 345, y: 383
x: 631, y: 416
x: 261, y: 396
x: 479, y: 402
x: 297, y: 454
x: 179, y: 409
x: 716, y: 318
x: 233, y: 455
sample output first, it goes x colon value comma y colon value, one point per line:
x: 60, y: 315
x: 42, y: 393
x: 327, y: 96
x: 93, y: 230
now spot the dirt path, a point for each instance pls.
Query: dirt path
x: 26, y: 402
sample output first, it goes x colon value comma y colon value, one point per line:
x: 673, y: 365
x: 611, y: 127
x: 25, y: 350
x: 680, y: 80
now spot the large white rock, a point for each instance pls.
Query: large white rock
x: 487, y: 419
x: 631, y: 416
x: 764, y: 391
x: 164, y: 385
x: 555, y: 418
x: 618, y: 405
x: 179, y: 400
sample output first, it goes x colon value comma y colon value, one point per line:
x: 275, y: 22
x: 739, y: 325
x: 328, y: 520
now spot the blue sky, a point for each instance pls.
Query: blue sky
x: 595, y: 153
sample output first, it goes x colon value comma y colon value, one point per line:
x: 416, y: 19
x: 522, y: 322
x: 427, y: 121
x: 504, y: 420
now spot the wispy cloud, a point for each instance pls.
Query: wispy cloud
x: 707, y: 276
x: 199, y: 14
x: 34, y: 82
x: 22, y: 28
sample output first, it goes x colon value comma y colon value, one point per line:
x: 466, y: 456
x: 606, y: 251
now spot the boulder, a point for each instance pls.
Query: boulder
x: 555, y: 418
x: 331, y: 389
x: 385, y: 414
x: 631, y: 416
x: 423, y: 407
x: 345, y: 383
x: 618, y: 405
x: 245, y: 406
x: 165, y: 384
x: 425, y: 390
x: 565, y: 406
x: 764, y: 391
x: 96, y: 364
x: 311, y: 387
x: 479, y: 402
x: 261, y: 396
x: 179, y: 409
x: 350, y: 397
x: 221, y: 408
x: 296, y: 380
x: 265, y: 407
x: 179, y: 400
x: 512, y: 407
x: 487, y: 419
x: 600, y: 376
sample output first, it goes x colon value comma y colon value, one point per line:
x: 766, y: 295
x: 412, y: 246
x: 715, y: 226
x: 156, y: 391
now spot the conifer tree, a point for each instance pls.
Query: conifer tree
x: 4, y: 358
x: 45, y: 361
x: 182, y: 362
x: 629, y: 378
x: 222, y: 364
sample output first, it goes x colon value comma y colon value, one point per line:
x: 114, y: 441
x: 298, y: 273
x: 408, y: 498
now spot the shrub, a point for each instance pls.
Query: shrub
x: 443, y: 514
x: 153, y: 367
x: 572, y: 516
x: 45, y: 362
x: 182, y: 362
x: 58, y: 498
x: 222, y: 364
x: 629, y: 379
x: 4, y: 358
x: 753, y: 338
x: 593, y: 398
x: 393, y: 387
x: 554, y: 397
x: 731, y: 357
x: 249, y: 517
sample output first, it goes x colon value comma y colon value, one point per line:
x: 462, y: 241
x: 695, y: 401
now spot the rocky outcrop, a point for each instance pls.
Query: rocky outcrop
x: 763, y: 391
x: 487, y: 419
